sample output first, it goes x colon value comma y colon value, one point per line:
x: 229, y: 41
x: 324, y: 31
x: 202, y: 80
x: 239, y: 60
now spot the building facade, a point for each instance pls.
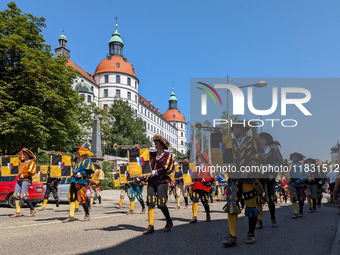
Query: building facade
x: 114, y: 78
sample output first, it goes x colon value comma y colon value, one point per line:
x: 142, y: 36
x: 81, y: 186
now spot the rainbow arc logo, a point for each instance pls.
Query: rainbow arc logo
x: 209, y: 93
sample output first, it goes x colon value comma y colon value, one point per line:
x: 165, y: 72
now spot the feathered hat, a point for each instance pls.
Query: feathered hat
x: 165, y: 142
x: 205, y: 156
x: 83, y: 151
x: 30, y: 153
x: 299, y: 155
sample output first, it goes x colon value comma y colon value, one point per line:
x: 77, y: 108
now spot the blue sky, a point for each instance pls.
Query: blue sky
x: 169, y: 42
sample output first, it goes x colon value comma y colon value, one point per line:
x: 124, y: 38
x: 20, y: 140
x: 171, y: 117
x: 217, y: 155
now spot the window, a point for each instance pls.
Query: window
x: 106, y: 93
x: 181, y: 142
x: 106, y: 79
x: 136, y: 113
x: 148, y: 125
x: 182, y: 134
x: 118, y: 93
x: 182, y: 151
x: 129, y: 81
x: 129, y: 95
x: 136, y: 98
x: 89, y: 98
x: 105, y: 107
x: 174, y: 124
x: 117, y: 78
x: 148, y: 114
x: 92, y: 88
x: 118, y: 65
x: 181, y: 125
x: 135, y: 85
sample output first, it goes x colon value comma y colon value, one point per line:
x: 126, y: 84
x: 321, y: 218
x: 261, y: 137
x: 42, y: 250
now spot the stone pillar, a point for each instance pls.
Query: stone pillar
x: 96, y: 147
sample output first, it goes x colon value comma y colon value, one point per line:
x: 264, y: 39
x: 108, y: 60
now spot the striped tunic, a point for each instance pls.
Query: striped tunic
x: 164, y: 166
x: 84, y: 167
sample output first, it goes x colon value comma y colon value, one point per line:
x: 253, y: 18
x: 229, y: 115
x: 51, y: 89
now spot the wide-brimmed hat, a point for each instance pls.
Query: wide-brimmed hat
x: 268, y: 137
x: 313, y: 161
x: 205, y: 156
x: 30, y: 153
x: 97, y: 165
x: 165, y: 142
x: 299, y: 155
x: 83, y: 151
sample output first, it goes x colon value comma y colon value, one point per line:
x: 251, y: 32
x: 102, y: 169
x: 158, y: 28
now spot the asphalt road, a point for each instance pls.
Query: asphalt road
x: 112, y: 231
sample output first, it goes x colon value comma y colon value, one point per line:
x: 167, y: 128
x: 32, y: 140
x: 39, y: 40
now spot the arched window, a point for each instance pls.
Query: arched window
x: 118, y: 65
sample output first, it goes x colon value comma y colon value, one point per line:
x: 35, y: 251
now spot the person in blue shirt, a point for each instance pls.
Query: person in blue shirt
x: 181, y: 187
x: 297, y: 177
x: 82, y: 168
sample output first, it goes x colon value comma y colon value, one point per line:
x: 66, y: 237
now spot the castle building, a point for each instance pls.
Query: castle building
x: 114, y: 78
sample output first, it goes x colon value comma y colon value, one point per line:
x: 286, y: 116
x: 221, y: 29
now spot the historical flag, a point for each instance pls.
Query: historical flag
x: 187, y: 174
x: 221, y: 149
x: 139, y: 162
x: 10, y: 166
x: 116, y: 178
x: 41, y: 176
x: 124, y: 174
x: 61, y: 166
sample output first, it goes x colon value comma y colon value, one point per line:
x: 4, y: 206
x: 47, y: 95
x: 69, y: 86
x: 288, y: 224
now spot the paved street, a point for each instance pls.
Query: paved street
x: 111, y: 231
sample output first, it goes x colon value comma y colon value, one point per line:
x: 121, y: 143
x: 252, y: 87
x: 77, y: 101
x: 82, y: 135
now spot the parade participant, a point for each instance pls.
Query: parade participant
x: 95, y: 185
x: 158, y: 182
x: 247, y: 152
x: 201, y: 187
x: 181, y: 187
x: 52, y: 185
x: 298, y: 175
x: 312, y: 184
x: 125, y: 190
x: 27, y: 168
x: 136, y: 191
x: 273, y: 158
x: 82, y: 168
x: 172, y: 189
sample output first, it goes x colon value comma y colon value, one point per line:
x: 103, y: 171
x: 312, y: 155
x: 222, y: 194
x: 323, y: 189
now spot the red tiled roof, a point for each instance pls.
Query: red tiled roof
x: 174, y: 115
x: 148, y: 104
x: 109, y: 65
x: 85, y: 74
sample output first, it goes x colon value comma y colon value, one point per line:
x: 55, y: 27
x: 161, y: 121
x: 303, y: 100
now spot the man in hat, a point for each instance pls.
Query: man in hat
x: 82, y: 168
x: 201, y: 187
x: 51, y: 186
x: 124, y: 190
x: 296, y: 178
x: 158, y: 182
x: 27, y: 168
x: 247, y: 153
x: 96, y: 185
x: 273, y: 158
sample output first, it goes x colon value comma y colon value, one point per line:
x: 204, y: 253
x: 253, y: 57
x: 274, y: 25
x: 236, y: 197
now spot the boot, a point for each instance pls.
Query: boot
x: 168, y: 226
x: 274, y: 223
x: 99, y: 205
x: 149, y: 230
x: 310, y: 210
x: 259, y: 224
x: 186, y: 207
x: 300, y: 214
x: 178, y: 207
x: 295, y: 216
x: 32, y: 212
x: 56, y: 209
x: 129, y: 212
x: 230, y: 241
x: 119, y: 206
x: 86, y: 217
x: 250, y: 238
x: 194, y: 220
x: 69, y: 219
x: 16, y: 215
x: 208, y: 219
x: 143, y: 211
x: 42, y: 209
x: 77, y: 210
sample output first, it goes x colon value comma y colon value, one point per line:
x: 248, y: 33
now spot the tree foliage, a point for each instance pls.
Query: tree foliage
x: 124, y: 127
x: 38, y: 107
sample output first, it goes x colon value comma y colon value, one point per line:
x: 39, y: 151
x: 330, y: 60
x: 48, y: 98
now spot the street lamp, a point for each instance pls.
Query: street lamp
x: 259, y: 84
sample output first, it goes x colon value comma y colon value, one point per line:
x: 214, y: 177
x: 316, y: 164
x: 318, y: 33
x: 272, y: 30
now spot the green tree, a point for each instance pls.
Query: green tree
x: 125, y: 128
x: 38, y: 106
